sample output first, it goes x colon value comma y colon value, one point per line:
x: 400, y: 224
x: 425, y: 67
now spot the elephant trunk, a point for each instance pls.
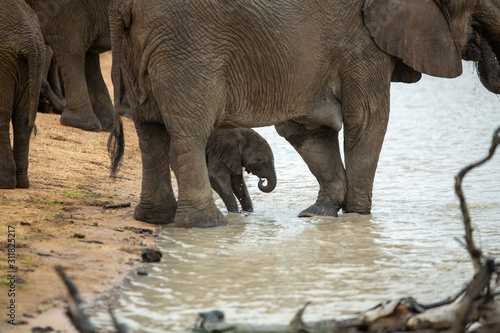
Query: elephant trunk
x: 488, y: 68
x: 266, y: 172
x: 269, y: 187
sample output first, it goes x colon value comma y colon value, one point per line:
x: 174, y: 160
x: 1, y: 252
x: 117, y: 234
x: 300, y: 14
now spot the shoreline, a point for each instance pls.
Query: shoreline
x: 61, y: 220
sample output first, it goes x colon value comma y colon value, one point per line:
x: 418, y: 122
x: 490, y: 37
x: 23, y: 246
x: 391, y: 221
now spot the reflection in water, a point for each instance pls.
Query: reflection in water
x: 265, y: 265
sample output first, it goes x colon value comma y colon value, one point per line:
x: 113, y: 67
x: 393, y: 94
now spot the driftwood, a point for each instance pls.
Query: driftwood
x: 477, y: 303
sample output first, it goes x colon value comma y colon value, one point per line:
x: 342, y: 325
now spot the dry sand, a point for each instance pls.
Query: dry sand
x: 70, y: 184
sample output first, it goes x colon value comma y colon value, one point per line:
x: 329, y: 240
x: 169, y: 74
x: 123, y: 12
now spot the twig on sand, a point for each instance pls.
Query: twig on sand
x: 119, y: 205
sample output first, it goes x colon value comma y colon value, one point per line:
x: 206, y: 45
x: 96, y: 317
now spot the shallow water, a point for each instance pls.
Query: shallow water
x: 265, y: 265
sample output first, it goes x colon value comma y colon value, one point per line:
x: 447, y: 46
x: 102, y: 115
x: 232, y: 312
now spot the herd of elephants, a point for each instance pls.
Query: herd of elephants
x: 196, y: 75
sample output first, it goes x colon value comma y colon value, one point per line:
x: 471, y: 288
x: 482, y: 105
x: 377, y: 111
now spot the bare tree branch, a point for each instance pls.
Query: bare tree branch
x: 75, y: 312
x: 474, y: 253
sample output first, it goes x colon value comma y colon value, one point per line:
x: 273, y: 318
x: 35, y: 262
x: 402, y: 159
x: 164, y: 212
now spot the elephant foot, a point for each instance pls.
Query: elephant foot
x: 191, y: 218
x: 107, y: 124
x: 85, y: 121
x: 232, y: 209
x: 22, y: 181
x: 7, y: 183
x: 7, y: 175
x: 353, y: 205
x: 322, y: 207
x: 246, y: 205
x: 360, y: 211
x: 154, y: 214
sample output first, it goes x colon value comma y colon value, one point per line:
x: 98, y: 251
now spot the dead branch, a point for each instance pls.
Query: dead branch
x: 119, y: 205
x: 474, y: 253
x: 78, y: 317
x: 75, y: 311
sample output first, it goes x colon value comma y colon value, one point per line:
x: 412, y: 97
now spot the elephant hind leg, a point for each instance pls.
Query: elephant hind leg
x: 190, y: 106
x: 22, y: 135
x: 7, y: 162
x: 78, y: 112
x: 98, y: 91
x: 196, y: 202
x: 157, y: 204
x: 320, y: 150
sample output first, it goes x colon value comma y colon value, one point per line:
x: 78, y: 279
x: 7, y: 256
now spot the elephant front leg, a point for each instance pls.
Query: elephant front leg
x: 98, y: 91
x: 157, y: 204
x: 365, y: 124
x: 78, y: 112
x: 320, y: 150
x: 196, y: 203
x: 241, y: 192
x: 220, y: 180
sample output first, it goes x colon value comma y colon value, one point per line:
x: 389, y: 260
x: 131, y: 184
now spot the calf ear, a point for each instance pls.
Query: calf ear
x: 226, y: 145
x: 415, y: 31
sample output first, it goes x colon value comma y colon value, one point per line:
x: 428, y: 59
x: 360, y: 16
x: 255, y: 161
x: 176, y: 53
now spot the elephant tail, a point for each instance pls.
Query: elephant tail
x: 119, y: 19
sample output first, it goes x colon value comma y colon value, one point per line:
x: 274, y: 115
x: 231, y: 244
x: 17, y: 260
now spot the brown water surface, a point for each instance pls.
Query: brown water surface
x: 265, y: 265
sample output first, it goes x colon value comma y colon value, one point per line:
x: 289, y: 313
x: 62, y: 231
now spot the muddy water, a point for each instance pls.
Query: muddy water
x: 265, y: 265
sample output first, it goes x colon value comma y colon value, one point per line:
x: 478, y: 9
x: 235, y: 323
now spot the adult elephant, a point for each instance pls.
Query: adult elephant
x: 192, y: 66
x: 228, y: 152
x: 22, y: 57
x: 78, y: 31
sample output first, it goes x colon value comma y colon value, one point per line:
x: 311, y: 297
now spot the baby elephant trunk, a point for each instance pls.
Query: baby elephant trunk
x: 266, y: 172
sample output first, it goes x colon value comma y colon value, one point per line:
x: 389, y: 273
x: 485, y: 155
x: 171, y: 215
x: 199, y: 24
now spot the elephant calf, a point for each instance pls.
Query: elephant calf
x: 22, y: 55
x: 228, y: 151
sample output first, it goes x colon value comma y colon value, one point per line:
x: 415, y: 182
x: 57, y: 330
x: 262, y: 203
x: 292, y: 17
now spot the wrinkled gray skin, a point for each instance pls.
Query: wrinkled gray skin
x: 78, y: 31
x: 192, y: 66
x: 22, y: 55
x: 51, y: 96
x: 228, y: 152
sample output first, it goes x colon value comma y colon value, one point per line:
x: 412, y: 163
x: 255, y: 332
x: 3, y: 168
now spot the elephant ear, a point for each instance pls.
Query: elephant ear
x: 226, y: 145
x: 415, y: 31
x: 404, y: 73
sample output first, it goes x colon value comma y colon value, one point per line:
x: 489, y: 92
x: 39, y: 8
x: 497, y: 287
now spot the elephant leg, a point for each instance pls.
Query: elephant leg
x: 78, y: 112
x: 157, y: 204
x: 190, y: 106
x: 7, y: 162
x: 220, y: 180
x: 196, y: 202
x: 320, y: 150
x: 366, y: 117
x: 54, y: 80
x: 46, y: 93
x: 22, y: 135
x: 240, y: 190
x: 98, y: 91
